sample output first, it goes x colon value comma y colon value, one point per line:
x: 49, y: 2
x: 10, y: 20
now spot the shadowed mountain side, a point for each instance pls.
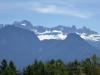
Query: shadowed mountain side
x: 21, y: 45
x: 18, y: 45
x: 73, y: 47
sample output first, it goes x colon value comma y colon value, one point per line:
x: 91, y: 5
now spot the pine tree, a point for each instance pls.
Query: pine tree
x: 13, y: 68
x: 3, y: 64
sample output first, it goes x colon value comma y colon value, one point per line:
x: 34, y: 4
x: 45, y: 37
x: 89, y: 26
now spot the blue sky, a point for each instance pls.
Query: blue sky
x: 51, y: 13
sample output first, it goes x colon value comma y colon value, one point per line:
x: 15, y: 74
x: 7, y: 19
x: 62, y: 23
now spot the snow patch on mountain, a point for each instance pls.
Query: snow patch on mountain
x: 59, y: 35
x: 92, y: 37
x: 54, y: 34
x: 48, y: 37
x: 23, y: 24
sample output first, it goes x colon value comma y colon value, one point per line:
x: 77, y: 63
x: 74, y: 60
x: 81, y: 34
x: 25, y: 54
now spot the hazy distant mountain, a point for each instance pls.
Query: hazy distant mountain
x: 18, y: 45
x: 73, y: 47
x: 23, y: 43
x: 59, y: 32
x: 23, y: 24
x: 95, y: 44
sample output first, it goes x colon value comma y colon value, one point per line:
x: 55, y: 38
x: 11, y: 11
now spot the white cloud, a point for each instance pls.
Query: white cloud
x: 53, y: 9
x: 64, y: 7
x: 45, y: 10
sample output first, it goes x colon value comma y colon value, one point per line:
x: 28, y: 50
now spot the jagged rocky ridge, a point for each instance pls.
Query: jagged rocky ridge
x: 59, y: 32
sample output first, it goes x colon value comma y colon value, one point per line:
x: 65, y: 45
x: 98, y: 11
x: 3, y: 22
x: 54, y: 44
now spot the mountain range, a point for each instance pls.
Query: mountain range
x: 59, y: 32
x: 23, y: 42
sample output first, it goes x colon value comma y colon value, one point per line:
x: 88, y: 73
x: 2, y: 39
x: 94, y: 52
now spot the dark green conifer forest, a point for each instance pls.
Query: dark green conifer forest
x: 88, y: 66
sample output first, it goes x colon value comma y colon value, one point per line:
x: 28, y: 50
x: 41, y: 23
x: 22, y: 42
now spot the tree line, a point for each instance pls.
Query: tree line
x: 88, y: 66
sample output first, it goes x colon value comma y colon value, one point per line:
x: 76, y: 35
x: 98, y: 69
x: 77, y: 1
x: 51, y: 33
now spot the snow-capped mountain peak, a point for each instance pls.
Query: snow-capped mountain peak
x: 59, y: 32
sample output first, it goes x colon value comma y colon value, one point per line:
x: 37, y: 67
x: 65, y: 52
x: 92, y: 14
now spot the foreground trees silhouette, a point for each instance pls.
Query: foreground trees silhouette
x: 89, y: 66
x: 7, y: 68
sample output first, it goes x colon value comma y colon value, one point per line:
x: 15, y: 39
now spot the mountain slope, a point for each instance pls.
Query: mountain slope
x: 18, y: 45
x: 73, y: 47
x: 21, y: 44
